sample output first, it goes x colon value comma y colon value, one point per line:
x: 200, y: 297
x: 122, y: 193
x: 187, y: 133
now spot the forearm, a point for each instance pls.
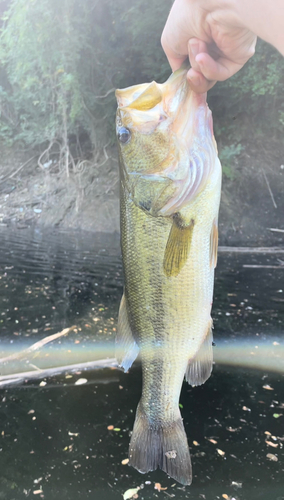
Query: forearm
x: 264, y: 18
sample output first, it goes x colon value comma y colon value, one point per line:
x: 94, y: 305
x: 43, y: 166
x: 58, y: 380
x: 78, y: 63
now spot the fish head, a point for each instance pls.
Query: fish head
x: 159, y: 127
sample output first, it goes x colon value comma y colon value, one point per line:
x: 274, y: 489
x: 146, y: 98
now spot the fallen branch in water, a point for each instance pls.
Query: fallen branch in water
x: 18, y: 378
x: 275, y: 230
x: 251, y: 250
x: 34, y: 347
x: 258, y: 266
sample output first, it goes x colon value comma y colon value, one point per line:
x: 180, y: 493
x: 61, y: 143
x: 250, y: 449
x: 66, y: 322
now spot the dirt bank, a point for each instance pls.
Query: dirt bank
x: 88, y: 197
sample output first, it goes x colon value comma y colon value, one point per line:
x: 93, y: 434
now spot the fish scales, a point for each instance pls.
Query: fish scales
x: 168, y: 269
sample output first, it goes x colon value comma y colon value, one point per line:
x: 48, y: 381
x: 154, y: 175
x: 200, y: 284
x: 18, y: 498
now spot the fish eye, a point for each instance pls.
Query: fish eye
x: 124, y: 135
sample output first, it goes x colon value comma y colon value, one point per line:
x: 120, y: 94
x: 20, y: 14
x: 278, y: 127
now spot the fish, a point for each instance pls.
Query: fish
x: 170, y: 186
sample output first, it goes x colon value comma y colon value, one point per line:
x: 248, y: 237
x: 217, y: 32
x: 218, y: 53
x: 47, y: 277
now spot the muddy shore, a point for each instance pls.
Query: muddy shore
x: 252, y: 198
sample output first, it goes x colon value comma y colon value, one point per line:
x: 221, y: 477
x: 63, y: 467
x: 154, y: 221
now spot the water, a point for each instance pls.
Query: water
x: 54, y: 436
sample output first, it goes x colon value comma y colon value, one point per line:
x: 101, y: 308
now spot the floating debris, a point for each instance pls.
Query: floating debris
x: 110, y: 427
x: 272, y: 457
x: 221, y: 452
x: 158, y: 487
x: 274, y: 445
x: 236, y: 484
x: 213, y: 441
x: 81, y: 381
x: 131, y: 493
x: 267, y: 387
x: 125, y: 461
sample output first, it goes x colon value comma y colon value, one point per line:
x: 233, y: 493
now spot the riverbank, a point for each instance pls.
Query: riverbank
x: 88, y: 197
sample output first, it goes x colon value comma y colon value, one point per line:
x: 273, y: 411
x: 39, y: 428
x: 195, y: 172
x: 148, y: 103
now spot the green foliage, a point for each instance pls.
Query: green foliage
x: 227, y: 155
x: 251, y: 102
x: 61, y: 60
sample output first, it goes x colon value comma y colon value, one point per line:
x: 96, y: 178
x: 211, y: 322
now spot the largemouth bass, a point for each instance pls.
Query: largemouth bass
x: 170, y: 179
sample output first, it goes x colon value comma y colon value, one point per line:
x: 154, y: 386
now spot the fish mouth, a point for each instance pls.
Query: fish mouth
x: 147, y: 105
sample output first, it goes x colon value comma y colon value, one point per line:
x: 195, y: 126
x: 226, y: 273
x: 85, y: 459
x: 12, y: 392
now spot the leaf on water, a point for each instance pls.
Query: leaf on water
x: 117, y: 429
x: 267, y: 387
x: 110, y: 427
x: 272, y: 457
x: 277, y: 415
x: 213, y: 441
x: 130, y: 493
x: 81, y: 381
x: 236, y: 484
x: 221, y: 452
x: 267, y: 433
x: 196, y: 443
x: 232, y: 429
x: 125, y: 461
x: 274, y: 445
x: 180, y: 405
x: 158, y: 487
x: 245, y: 408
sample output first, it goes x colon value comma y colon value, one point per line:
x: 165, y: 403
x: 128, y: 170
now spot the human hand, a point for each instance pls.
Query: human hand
x: 212, y: 35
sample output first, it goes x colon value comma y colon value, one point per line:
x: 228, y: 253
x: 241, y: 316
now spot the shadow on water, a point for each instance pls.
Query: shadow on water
x: 54, y: 436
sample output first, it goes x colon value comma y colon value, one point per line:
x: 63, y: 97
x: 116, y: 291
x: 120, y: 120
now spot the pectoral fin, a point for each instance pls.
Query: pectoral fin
x: 199, y: 369
x: 126, y: 348
x: 214, y: 244
x: 177, y: 247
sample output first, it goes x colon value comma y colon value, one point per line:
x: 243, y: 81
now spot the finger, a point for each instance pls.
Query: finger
x: 197, y: 82
x: 175, y: 59
x: 220, y: 70
x: 195, y: 47
x: 176, y: 34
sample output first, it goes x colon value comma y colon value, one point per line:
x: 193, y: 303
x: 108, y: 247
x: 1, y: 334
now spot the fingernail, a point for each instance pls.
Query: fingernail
x: 199, y: 60
x: 194, y: 48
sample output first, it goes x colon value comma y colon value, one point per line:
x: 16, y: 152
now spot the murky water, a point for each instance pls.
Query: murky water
x: 54, y: 436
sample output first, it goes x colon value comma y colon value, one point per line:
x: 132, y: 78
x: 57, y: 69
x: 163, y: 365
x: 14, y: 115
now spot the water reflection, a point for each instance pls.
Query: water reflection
x: 65, y: 433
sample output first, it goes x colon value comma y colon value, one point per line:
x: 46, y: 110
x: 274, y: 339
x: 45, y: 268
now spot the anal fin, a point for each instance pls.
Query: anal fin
x: 178, y: 246
x: 199, y: 368
x: 126, y: 348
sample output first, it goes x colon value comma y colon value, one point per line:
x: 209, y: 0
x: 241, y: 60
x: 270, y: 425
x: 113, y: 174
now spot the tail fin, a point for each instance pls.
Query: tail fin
x: 160, y: 446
